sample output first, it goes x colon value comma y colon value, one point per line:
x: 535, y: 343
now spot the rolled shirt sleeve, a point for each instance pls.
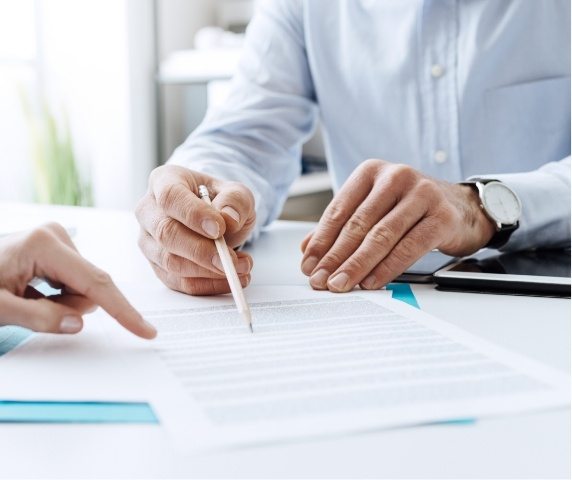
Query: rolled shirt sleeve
x: 391, y: 84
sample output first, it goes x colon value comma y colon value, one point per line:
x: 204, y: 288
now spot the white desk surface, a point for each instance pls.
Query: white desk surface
x: 524, y: 446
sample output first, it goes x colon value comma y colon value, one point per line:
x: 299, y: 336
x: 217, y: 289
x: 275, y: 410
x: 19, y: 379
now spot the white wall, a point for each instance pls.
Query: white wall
x: 178, y: 21
x: 97, y: 69
x: 96, y: 62
x: 17, y: 73
x: 16, y: 182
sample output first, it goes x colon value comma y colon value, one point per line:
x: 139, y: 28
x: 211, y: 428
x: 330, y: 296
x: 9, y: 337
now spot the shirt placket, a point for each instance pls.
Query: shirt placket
x: 438, y: 89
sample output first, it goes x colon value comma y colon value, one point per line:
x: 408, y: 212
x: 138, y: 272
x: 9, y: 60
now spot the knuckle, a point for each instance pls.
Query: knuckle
x: 427, y: 189
x: 334, y: 258
x: 166, y: 230
x: 168, y: 196
x: 407, y: 250
x: 55, y: 228
x: 357, y: 265
x: 335, y: 215
x: 172, y: 263
x: 381, y: 235
x: 402, y: 174
x: 38, y: 237
x: 238, y: 193
x: 156, y: 172
x: 200, y: 252
x: 196, y: 287
x: 316, y: 247
x: 357, y: 226
x: 101, y: 278
x: 370, y: 166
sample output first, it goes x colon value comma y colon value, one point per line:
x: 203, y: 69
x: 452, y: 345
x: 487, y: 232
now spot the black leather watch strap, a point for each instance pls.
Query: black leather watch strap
x: 501, y: 236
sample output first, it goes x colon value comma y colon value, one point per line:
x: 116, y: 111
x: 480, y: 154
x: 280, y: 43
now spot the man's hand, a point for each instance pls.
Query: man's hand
x: 49, y: 253
x: 178, y: 228
x: 384, y: 218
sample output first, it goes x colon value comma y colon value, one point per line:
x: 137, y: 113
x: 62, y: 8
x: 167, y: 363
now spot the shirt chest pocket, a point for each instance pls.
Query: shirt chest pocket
x: 528, y: 124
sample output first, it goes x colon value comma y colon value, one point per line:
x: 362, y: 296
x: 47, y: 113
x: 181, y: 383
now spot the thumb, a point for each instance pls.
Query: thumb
x: 39, y: 315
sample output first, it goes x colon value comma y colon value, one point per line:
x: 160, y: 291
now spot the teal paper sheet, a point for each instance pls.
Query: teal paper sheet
x: 75, y: 412
x: 403, y: 292
x: 65, y: 412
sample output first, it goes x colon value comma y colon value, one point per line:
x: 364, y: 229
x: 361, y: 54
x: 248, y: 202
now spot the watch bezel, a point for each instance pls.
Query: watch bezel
x: 483, y: 187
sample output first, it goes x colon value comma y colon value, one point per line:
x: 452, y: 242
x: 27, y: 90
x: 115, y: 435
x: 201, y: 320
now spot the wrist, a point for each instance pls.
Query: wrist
x: 481, y: 226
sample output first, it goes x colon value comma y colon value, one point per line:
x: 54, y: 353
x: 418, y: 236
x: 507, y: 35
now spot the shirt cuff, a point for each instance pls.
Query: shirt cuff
x: 545, y: 219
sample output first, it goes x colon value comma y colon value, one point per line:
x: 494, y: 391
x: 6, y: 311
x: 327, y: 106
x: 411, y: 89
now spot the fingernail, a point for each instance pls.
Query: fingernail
x: 339, y: 282
x: 319, y: 279
x: 243, y: 266
x: 369, y: 282
x: 217, y: 263
x: 70, y: 325
x: 232, y: 213
x: 92, y: 309
x: 309, y: 264
x: 210, y: 227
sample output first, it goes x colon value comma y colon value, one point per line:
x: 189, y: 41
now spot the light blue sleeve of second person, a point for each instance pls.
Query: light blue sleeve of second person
x: 256, y: 137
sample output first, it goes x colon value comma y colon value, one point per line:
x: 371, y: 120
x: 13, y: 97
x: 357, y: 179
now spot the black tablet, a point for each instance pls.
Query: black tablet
x: 538, y: 272
x: 423, y: 269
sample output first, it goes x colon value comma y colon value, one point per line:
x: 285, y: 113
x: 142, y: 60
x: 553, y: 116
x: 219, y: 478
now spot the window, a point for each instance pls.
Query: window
x: 18, y: 74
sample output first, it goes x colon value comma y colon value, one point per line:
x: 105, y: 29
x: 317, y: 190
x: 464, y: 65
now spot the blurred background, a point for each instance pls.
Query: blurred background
x: 94, y: 94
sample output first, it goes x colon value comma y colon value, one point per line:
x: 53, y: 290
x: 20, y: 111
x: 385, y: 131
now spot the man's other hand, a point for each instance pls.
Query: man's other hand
x: 384, y: 218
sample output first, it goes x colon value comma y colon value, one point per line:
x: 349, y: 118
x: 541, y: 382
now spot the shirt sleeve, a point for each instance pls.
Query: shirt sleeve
x: 256, y: 137
x: 545, y: 198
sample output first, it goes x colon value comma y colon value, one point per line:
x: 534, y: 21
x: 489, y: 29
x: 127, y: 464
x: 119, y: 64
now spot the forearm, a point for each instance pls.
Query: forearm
x: 256, y: 136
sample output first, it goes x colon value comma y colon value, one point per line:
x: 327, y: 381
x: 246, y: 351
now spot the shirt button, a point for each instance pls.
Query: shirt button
x: 437, y: 71
x: 440, y: 156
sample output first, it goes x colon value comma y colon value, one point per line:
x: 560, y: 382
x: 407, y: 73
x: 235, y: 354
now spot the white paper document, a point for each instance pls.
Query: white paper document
x: 320, y: 364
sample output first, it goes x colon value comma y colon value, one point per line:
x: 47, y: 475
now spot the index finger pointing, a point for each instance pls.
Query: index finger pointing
x: 59, y: 262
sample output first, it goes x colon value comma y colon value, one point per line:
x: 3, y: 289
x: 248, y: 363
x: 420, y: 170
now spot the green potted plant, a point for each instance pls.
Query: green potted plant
x: 57, y: 178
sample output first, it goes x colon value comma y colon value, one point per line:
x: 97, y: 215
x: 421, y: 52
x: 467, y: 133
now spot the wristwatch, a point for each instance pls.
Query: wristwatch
x: 501, y: 205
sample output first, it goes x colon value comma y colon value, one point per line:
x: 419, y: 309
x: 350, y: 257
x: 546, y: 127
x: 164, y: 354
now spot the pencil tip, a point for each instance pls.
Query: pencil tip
x: 251, y: 329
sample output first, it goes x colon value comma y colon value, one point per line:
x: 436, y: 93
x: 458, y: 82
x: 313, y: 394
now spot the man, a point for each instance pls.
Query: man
x: 414, y: 97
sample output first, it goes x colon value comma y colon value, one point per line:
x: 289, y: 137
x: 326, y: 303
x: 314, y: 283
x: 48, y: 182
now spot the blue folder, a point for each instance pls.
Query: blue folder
x: 65, y: 412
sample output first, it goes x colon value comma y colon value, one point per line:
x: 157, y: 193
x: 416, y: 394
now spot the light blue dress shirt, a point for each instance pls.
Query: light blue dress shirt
x: 454, y: 88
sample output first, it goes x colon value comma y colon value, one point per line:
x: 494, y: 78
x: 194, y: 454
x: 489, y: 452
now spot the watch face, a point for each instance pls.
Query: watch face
x: 501, y: 203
